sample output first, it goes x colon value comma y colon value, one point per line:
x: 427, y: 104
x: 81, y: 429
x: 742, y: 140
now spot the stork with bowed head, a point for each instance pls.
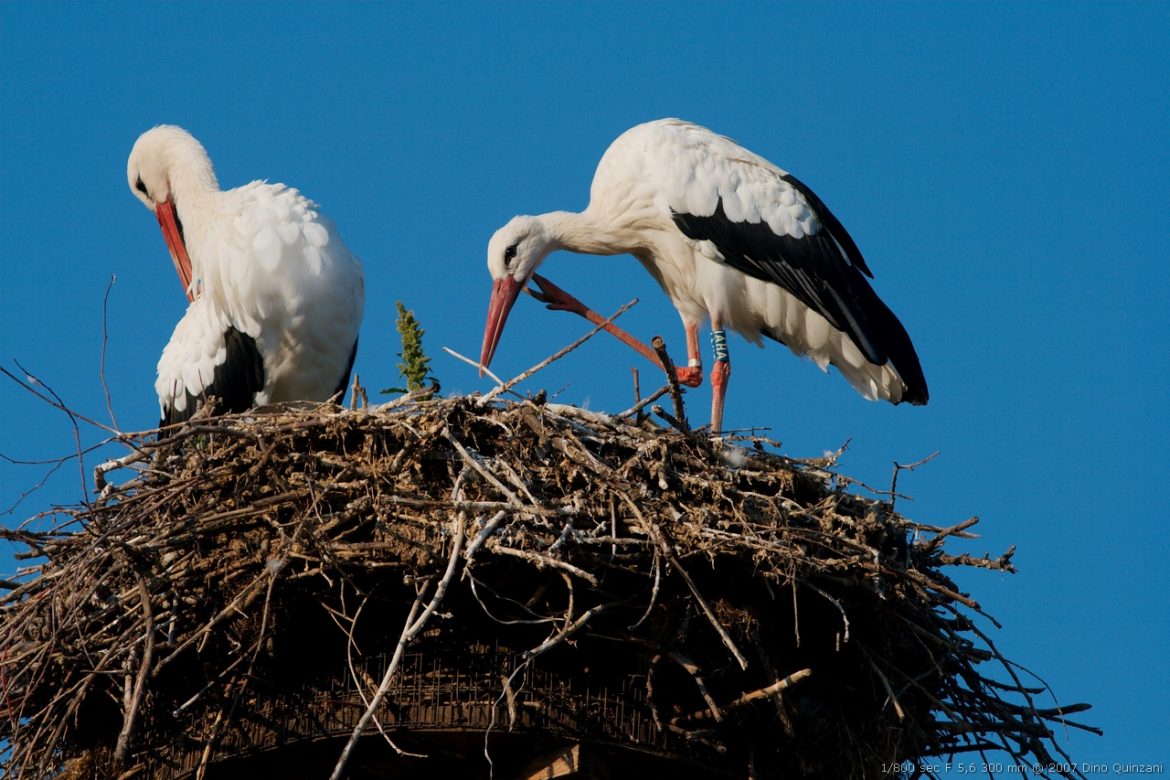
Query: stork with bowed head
x: 275, y: 296
x: 731, y: 239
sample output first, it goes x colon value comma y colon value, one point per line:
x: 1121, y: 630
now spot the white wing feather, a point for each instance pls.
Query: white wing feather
x: 190, y: 358
x: 684, y: 168
x: 276, y: 270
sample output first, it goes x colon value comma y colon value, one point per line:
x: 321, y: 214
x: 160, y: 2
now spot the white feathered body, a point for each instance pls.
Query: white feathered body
x: 267, y: 264
x: 658, y: 170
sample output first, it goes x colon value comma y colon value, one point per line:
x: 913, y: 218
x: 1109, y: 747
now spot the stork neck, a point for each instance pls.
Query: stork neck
x: 193, y: 185
x: 192, y: 179
x: 193, y: 188
x: 581, y: 232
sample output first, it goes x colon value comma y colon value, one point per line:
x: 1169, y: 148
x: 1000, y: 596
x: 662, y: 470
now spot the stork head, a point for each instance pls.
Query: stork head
x: 514, y: 253
x: 164, y: 160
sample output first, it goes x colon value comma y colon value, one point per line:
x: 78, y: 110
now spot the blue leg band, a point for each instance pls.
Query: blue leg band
x: 719, y: 345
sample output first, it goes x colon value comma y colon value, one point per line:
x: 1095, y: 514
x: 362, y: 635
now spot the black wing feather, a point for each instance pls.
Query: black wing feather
x: 825, y: 271
x: 348, y: 369
x: 234, y: 384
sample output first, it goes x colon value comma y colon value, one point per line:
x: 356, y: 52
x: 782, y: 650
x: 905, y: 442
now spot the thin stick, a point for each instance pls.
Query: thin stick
x: 677, y: 424
x: 692, y: 669
x: 474, y: 363
x: 543, y: 560
x: 554, y: 357
x: 548, y: 288
x: 831, y: 600
x: 642, y: 404
x: 140, y: 680
x: 668, y: 553
x: 405, y: 399
x: 73, y: 418
x: 889, y: 691
x: 954, y: 530
x: 654, y: 590
x: 53, y: 399
x: 671, y: 379
x: 410, y: 630
x: 898, y: 468
x: 488, y: 529
x: 748, y: 698
x: 472, y: 461
x: 100, y: 470
x: 357, y: 394
x: 105, y: 339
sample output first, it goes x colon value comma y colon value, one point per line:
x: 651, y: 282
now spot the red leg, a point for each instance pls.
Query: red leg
x: 720, y: 374
x: 692, y: 374
x: 557, y: 299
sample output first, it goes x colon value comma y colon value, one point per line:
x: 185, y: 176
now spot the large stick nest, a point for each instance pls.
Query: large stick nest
x: 513, y: 568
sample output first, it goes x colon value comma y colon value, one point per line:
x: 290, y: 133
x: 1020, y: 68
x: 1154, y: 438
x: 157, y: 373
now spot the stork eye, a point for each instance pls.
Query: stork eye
x: 509, y: 255
x: 141, y: 187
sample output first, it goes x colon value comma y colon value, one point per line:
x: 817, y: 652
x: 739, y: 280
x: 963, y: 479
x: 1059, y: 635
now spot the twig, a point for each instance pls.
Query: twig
x: 473, y: 364
x: 691, y: 668
x: 100, y: 470
x: 487, y: 530
x: 748, y: 698
x: 668, y: 553
x: 357, y: 394
x: 677, y: 424
x: 105, y: 340
x: 131, y: 715
x: 643, y: 403
x: 409, y: 631
x: 954, y: 530
x: 59, y: 403
x: 653, y: 590
x: 680, y: 414
x: 554, y: 357
x: 52, y: 399
x: 543, y: 560
x: 886, y: 685
x: 899, y: 468
x: 403, y: 400
x: 831, y: 600
x: 472, y: 461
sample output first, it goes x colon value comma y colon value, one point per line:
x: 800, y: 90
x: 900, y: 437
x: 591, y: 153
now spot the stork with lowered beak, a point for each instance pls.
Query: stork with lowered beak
x: 731, y: 239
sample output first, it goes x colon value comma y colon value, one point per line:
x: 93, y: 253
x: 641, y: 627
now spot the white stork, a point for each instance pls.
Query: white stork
x: 730, y: 238
x: 275, y: 296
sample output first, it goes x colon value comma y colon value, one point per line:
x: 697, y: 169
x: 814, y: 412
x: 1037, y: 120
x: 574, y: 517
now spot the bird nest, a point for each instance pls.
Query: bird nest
x: 450, y: 566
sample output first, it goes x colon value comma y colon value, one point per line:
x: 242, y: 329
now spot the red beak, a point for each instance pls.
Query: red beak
x: 174, y: 238
x: 504, y: 294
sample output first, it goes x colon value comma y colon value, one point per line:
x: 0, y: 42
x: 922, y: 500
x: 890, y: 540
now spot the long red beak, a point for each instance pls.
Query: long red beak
x: 504, y: 294
x: 174, y: 238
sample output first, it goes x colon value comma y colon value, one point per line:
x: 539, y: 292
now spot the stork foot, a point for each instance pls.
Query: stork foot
x: 690, y: 376
x: 556, y: 299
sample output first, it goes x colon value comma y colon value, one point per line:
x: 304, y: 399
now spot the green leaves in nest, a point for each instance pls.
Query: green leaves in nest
x: 415, y: 367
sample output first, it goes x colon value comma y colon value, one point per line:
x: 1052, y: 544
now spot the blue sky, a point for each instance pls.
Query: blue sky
x: 1002, y: 166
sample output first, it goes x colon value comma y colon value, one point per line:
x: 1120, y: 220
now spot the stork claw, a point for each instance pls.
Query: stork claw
x: 689, y: 376
x: 537, y: 294
x: 556, y: 299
